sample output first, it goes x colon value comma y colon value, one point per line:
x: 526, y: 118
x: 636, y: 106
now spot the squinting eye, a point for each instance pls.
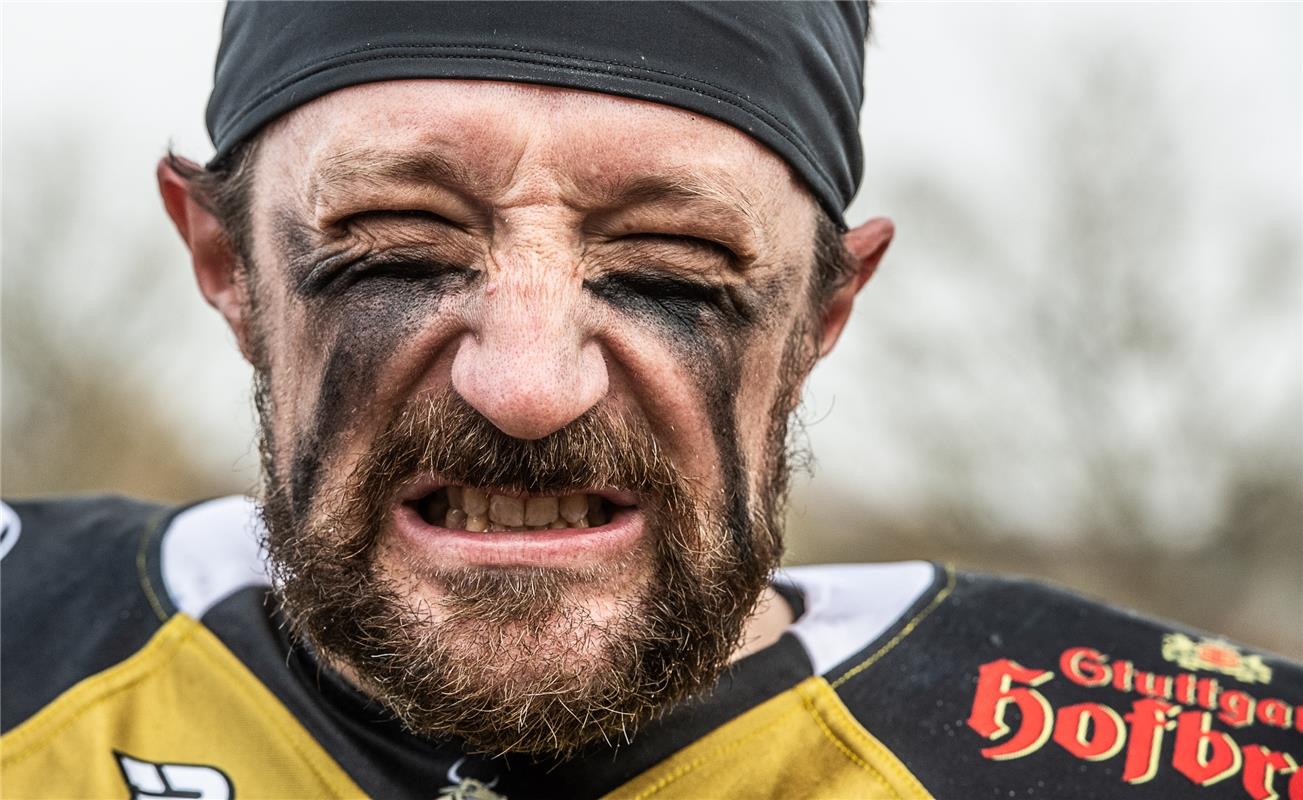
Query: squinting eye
x: 668, y: 292
x: 334, y: 276
x: 667, y: 288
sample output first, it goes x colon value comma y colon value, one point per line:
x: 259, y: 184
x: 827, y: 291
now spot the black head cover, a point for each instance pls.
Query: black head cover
x: 788, y: 74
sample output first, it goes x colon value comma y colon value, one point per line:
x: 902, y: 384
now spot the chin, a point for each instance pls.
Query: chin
x: 528, y: 601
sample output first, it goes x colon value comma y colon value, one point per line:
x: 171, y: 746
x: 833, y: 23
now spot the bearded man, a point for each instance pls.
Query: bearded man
x: 530, y: 292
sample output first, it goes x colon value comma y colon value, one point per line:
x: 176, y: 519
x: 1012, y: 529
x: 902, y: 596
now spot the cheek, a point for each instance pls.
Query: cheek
x: 680, y: 378
x: 750, y: 387
x: 703, y: 376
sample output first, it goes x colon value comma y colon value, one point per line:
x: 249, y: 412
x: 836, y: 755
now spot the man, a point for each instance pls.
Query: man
x: 530, y: 292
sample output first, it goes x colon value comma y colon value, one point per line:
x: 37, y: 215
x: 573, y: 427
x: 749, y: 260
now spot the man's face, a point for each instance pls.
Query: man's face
x: 587, y: 313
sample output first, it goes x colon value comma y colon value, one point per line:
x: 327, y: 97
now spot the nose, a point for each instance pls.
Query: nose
x: 529, y: 366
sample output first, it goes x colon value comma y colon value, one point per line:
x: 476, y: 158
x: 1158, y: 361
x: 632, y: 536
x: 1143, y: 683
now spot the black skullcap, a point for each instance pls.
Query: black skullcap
x: 788, y: 74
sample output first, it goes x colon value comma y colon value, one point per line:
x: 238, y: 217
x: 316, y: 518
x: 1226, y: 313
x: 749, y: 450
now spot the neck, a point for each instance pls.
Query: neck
x: 765, y: 625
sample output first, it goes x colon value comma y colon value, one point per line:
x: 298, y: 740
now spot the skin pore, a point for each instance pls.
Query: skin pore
x: 557, y: 261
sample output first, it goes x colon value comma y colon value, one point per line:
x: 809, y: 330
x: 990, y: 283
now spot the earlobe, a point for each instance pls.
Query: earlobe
x: 216, y: 265
x: 866, y: 243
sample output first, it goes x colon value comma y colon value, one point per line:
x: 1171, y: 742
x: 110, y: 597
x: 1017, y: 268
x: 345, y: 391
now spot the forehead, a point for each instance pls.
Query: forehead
x: 502, y: 141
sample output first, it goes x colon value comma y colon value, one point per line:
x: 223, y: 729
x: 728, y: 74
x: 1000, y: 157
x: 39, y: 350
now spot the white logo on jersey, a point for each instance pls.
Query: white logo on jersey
x: 148, y: 780
x: 10, y: 525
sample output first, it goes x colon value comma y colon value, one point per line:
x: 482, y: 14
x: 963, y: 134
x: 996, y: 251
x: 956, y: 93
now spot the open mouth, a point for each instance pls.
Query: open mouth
x: 467, y: 508
x: 466, y: 526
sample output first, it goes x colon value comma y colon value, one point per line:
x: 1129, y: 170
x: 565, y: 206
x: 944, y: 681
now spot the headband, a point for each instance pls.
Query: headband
x: 790, y: 74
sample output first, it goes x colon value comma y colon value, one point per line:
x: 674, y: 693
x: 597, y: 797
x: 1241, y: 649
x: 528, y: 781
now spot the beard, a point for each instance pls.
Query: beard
x: 534, y: 660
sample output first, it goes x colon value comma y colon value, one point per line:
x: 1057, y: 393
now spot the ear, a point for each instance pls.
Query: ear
x: 216, y: 265
x: 867, y: 244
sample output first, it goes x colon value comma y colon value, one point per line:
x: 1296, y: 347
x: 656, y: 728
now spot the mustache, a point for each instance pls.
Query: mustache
x: 443, y: 436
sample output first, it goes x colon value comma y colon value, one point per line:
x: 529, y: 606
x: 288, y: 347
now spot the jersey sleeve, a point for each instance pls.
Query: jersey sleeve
x: 72, y: 598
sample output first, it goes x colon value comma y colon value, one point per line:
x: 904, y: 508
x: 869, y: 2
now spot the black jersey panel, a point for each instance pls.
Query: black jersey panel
x: 71, y: 598
x: 1012, y: 688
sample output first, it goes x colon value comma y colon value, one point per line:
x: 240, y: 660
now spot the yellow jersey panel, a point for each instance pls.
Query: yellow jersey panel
x: 181, y: 717
x: 801, y: 743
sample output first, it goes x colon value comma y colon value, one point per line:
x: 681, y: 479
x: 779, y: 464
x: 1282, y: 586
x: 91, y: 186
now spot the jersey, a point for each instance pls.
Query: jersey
x: 143, y: 655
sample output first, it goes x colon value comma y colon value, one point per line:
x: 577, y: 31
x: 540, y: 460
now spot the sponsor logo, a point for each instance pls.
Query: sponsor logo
x: 149, y: 779
x: 1215, y: 655
x: 463, y: 788
x: 1011, y: 710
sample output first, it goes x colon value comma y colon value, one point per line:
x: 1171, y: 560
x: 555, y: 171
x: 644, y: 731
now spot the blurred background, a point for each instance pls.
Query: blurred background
x: 1082, y: 358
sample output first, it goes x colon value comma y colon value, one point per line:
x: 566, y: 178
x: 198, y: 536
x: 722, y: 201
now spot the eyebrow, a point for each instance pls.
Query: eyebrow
x: 378, y: 167
x: 734, y: 213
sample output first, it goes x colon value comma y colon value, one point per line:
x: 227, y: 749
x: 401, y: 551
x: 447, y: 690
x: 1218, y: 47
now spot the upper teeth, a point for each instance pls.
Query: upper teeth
x: 471, y: 509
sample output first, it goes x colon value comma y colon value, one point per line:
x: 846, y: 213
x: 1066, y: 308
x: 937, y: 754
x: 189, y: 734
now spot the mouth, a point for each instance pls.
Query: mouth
x: 467, y: 525
x: 468, y: 508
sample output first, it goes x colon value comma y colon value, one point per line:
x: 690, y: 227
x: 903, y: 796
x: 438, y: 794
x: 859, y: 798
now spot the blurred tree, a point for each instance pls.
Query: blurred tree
x: 80, y: 411
x: 1115, y: 401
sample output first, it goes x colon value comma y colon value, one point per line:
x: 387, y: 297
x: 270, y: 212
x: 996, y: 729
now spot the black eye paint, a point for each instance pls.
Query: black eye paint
x: 720, y: 388
x: 717, y: 365
x: 707, y: 326
x: 361, y: 313
x: 337, y: 274
x: 680, y: 303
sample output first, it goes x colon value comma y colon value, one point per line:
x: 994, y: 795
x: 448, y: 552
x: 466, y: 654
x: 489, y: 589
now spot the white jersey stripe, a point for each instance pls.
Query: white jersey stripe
x: 847, y: 606
x: 211, y: 551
